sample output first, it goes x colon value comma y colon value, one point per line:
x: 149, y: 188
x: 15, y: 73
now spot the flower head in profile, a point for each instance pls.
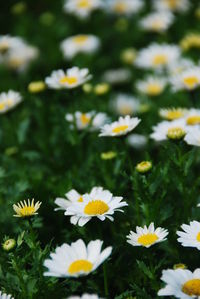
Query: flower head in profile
x: 191, y: 40
x: 181, y: 283
x: 76, y: 259
x: 172, y: 5
x: 123, y: 126
x: 188, y: 79
x: 8, y: 100
x: 151, y: 85
x: 147, y: 236
x: 82, y: 8
x: 81, y: 43
x: 190, y: 236
x: 157, y: 56
x: 193, y: 136
x: 125, y: 7
x: 124, y: 104
x: 91, y: 120
x: 26, y: 208
x: 174, y: 130
x: 173, y: 113
x: 98, y: 203
x: 71, y: 78
x: 5, y: 296
x: 157, y: 21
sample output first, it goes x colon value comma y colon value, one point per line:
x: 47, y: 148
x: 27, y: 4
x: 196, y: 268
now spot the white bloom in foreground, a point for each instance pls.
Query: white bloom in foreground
x: 157, y: 21
x: 85, y: 296
x: 173, y: 113
x: 82, y: 8
x: 5, y: 296
x: 151, y: 85
x: 76, y: 259
x: 70, y: 79
x: 91, y: 120
x: 98, y: 203
x: 124, y: 104
x: 190, y: 236
x: 157, y: 56
x: 186, y: 80
x: 174, y: 130
x: 8, y: 100
x: 193, y: 136
x: 147, y: 236
x: 125, y: 7
x: 81, y: 43
x: 172, y: 5
x: 123, y: 126
x: 137, y: 141
x: 181, y: 283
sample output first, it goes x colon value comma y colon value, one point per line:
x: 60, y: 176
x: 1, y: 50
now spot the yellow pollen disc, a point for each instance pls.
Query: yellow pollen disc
x: 96, y: 207
x: 126, y: 110
x: 80, y: 39
x: 193, y: 120
x: 80, y: 199
x: 120, y: 129
x: 69, y: 80
x: 4, y: 47
x: 154, y: 89
x: 174, y: 114
x: 27, y: 211
x: 198, y: 237
x: 15, y: 62
x: 2, y: 106
x: 175, y: 133
x: 85, y: 119
x: 192, y: 287
x: 120, y: 7
x: 191, y: 82
x: 80, y: 266
x: 160, y: 59
x: 156, y: 25
x: 147, y: 239
x: 84, y: 4
x: 172, y: 4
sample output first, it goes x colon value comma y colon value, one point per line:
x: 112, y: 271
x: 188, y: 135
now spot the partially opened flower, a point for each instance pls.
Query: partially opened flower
x: 151, y: 85
x: 26, y: 208
x: 5, y: 296
x: 76, y: 259
x: 82, y: 8
x: 85, y: 296
x: 172, y: 5
x: 193, y: 136
x: 125, y: 7
x: 189, y: 79
x: 157, y: 21
x: 8, y: 100
x: 173, y: 113
x: 121, y: 127
x: 190, y: 236
x: 68, y: 79
x: 98, y: 203
x: 147, y: 236
x: 81, y: 43
x: 91, y: 120
x: 181, y: 283
x: 174, y: 130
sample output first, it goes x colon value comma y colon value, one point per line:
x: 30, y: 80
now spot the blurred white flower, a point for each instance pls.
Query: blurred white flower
x: 82, y: 8
x: 91, y: 120
x: 5, y: 296
x: 172, y: 5
x: 137, y: 141
x: 157, y: 21
x: 151, y: 85
x: 187, y: 80
x: 174, y: 130
x: 8, y: 100
x: 117, y: 76
x: 125, y: 104
x: 193, y: 136
x: 173, y: 113
x: 124, y: 7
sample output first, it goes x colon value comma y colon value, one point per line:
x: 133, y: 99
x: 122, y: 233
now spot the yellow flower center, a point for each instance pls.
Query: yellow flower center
x: 4, y: 46
x: 81, y: 39
x: 80, y: 199
x: 156, y: 25
x: 154, y: 89
x: 126, y: 109
x: 85, y: 119
x: 120, y: 7
x: 175, y: 133
x: 84, y: 4
x: 120, y: 129
x: 172, y: 4
x: 15, y: 62
x: 193, y: 120
x: 26, y: 211
x: 191, y: 82
x: 96, y: 207
x: 198, y: 237
x: 147, y: 239
x: 80, y: 266
x: 192, y: 287
x: 174, y: 114
x: 160, y: 59
x: 2, y: 106
x: 69, y: 80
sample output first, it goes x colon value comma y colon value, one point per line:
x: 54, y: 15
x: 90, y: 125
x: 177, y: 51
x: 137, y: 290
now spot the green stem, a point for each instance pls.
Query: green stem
x: 19, y: 275
x: 105, y: 281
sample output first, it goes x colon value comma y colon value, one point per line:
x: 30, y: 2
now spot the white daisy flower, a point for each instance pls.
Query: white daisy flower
x: 91, y: 120
x: 173, y: 113
x: 147, y: 236
x: 98, y: 203
x: 123, y: 126
x: 157, y: 56
x: 174, y: 130
x: 125, y: 7
x: 8, y: 100
x: 172, y: 5
x: 193, y: 136
x: 85, y: 296
x: 181, y: 283
x: 76, y: 259
x: 151, y: 85
x: 117, y: 76
x: 157, y: 21
x: 82, y: 8
x: 192, y: 118
x: 190, y: 236
x: 70, y: 79
x: 8, y: 42
x: 72, y: 196
x: 186, y: 80
x: 180, y: 65
x: 5, y: 296
x: 137, y: 141
x: 81, y: 43
x: 124, y: 104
